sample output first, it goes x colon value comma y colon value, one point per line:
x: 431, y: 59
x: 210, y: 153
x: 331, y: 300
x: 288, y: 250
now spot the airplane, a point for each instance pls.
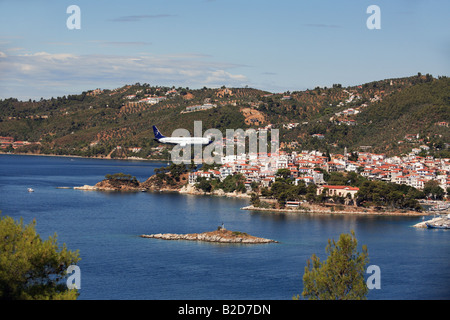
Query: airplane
x: 182, y: 141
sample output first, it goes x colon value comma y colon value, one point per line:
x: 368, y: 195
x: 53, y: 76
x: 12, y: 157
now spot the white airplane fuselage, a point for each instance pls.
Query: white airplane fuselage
x: 182, y: 141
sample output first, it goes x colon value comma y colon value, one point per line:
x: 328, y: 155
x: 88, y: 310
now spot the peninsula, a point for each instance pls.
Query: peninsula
x: 221, y: 235
x: 318, y: 198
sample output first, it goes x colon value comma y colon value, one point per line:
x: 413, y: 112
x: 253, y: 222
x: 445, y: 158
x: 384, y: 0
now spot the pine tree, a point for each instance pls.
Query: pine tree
x: 32, y: 269
x: 341, y: 276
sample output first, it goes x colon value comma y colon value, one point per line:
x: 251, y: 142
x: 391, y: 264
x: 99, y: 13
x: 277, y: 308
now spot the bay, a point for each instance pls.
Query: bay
x: 118, y: 264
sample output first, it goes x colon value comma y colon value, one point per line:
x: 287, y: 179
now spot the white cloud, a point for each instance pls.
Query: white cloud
x: 44, y: 74
x: 215, y: 77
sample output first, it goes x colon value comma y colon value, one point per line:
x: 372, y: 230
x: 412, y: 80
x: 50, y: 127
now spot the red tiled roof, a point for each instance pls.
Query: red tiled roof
x: 341, y: 187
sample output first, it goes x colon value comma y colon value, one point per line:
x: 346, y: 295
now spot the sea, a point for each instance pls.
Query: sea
x: 117, y: 264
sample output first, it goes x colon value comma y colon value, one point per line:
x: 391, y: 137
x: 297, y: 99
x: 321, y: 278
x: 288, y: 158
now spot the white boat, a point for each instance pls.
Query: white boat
x: 30, y: 190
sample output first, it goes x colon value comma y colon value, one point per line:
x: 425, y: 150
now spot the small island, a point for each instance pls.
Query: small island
x: 221, y: 235
x: 126, y: 182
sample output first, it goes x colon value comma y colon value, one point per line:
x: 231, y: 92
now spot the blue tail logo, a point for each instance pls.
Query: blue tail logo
x: 157, y: 134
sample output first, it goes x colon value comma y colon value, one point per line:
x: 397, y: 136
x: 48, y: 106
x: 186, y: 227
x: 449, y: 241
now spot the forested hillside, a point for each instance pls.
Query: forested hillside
x: 389, y: 116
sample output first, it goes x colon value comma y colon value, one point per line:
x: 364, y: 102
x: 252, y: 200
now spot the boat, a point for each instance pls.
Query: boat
x: 30, y: 190
x: 443, y: 226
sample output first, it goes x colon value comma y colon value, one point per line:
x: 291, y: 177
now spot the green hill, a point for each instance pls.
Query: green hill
x: 94, y: 123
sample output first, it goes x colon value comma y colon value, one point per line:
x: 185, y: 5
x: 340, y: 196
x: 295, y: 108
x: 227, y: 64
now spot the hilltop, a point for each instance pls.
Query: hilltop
x: 387, y: 116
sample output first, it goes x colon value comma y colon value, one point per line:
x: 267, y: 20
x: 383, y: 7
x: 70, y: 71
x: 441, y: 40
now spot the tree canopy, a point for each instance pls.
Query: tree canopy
x: 32, y: 268
x: 432, y: 188
x: 341, y: 276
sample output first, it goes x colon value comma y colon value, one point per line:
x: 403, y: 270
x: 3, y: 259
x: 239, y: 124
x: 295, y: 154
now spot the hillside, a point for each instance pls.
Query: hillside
x: 382, y: 115
x: 396, y: 122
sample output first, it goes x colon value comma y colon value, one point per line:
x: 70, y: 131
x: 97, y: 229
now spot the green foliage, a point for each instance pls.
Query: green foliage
x: 203, y: 184
x: 283, y: 174
x: 432, y: 188
x: 341, y: 276
x: 176, y: 170
x: 337, y: 179
x: 344, y: 179
x: 413, y: 110
x: 233, y: 183
x: 170, y: 174
x: 207, y: 167
x: 121, y: 177
x: 284, y: 190
x: 254, y: 200
x: 380, y: 193
x: 30, y: 268
x: 238, y: 233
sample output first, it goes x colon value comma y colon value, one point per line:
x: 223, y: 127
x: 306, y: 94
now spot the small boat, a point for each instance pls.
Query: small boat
x: 30, y: 190
x: 431, y: 226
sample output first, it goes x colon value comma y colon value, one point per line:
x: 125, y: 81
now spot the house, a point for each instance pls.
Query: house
x: 6, y: 142
x: 332, y: 166
x: 171, y: 92
x: 18, y: 144
x: 282, y: 163
x: 340, y: 191
x: 293, y: 204
x: 205, y: 106
x: 307, y: 180
x: 318, y: 177
x: 225, y: 171
x: 135, y: 149
x: 193, y: 176
x: 152, y: 100
x: 267, y: 181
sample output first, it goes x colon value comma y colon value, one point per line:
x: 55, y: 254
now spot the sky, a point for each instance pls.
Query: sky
x: 278, y: 46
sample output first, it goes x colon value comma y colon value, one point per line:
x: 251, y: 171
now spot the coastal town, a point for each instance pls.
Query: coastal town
x: 348, y: 183
x: 309, y: 167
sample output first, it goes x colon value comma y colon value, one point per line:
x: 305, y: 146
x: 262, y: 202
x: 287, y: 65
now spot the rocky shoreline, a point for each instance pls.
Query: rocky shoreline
x: 190, y: 189
x: 150, y: 186
x: 318, y: 209
x: 106, y: 185
x: 219, y: 236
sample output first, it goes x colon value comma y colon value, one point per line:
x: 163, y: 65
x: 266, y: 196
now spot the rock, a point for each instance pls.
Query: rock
x: 219, y: 236
x: 219, y: 192
x: 189, y: 189
x: 86, y: 187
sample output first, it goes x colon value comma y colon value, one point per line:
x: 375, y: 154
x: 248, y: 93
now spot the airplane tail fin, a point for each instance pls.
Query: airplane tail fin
x: 157, y: 134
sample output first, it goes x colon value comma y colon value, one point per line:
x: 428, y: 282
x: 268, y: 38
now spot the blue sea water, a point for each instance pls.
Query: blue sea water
x: 118, y: 264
